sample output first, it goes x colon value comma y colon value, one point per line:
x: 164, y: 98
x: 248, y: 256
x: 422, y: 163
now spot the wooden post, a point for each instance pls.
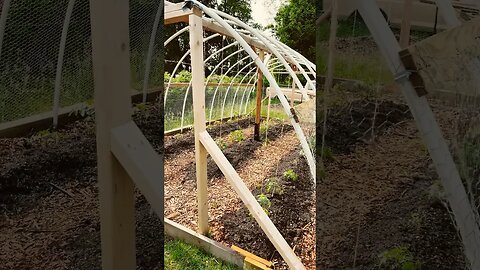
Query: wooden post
x: 405, y: 30
x: 198, y: 90
x: 258, y: 111
x: 111, y: 65
x: 292, y: 96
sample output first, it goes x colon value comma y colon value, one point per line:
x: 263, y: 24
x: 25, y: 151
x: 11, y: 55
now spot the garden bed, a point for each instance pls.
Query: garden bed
x: 49, y: 201
x: 379, y: 204
x: 292, y: 207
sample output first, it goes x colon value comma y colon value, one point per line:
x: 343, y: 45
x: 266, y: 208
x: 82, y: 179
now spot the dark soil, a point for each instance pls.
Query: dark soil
x: 376, y: 194
x: 48, y: 201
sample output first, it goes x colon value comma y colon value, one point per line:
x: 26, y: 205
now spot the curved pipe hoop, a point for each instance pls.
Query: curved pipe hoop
x: 61, y: 53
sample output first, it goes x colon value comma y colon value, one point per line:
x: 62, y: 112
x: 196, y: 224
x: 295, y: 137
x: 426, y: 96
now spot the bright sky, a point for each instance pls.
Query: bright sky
x: 263, y: 11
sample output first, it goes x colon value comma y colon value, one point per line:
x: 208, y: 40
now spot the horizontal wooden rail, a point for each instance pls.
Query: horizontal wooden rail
x: 211, y: 84
x: 191, y: 237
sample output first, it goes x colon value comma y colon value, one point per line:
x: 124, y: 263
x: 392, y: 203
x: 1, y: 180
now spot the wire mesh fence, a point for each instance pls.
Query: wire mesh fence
x: 365, y: 103
x: 46, y: 49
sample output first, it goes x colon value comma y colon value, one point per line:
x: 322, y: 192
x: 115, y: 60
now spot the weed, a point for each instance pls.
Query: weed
x: 327, y: 153
x: 273, y: 186
x: 416, y: 220
x: 43, y: 133
x: 399, y: 258
x: 264, y: 202
x: 290, y: 175
x: 237, y: 136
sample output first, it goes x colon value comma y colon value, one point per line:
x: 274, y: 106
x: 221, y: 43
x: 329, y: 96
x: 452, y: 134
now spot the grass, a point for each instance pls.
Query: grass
x: 181, y: 256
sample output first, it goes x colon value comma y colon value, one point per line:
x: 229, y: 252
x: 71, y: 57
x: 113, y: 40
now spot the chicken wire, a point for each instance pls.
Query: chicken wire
x: 364, y: 95
x: 32, y: 64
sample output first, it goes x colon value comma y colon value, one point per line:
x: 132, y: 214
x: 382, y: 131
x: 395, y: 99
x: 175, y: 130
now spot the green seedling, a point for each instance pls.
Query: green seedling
x: 264, y: 202
x: 43, y: 133
x: 399, y: 258
x: 221, y: 143
x: 237, y: 136
x: 290, y: 175
x: 327, y: 153
x: 272, y: 186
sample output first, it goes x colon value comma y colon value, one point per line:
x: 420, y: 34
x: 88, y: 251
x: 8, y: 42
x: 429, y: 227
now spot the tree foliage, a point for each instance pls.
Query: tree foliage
x: 295, y: 26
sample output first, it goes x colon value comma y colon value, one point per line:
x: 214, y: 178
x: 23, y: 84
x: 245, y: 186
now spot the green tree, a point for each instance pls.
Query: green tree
x: 295, y: 26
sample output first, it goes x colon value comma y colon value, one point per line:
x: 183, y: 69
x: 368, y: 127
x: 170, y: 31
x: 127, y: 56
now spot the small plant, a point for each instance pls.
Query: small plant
x: 237, y: 136
x: 140, y: 107
x: 399, y: 258
x: 416, y: 220
x: 327, y: 153
x: 273, y: 186
x: 290, y: 175
x: 221, y: 143
x: 43, y: 133
x: 322, y: 174
x: 264, y: 202
x: 85, y: 110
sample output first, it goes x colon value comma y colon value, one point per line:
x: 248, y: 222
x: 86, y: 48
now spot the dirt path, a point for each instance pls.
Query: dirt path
x: 378, y: 196
x: 293, y: 212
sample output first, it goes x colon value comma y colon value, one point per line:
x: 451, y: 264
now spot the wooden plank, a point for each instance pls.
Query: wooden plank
x: 172, y: 85
x: 252, y: 256
x: 258, y: 98
x: 218, y: 250
x: 41, y: 121
x: 111, y: 66
x: 176, y: 13
x: 449, y: 61
x: 406, y: 25
x: 250, y: 202
x: 198, y: 90
x: 141, y: 162
x: 31, y: 124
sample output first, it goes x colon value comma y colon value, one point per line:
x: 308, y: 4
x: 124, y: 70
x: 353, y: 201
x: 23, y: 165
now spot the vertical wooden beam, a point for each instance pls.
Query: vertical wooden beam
x: 198, y: 90
x: 258, y: 111
x: 406, y: 25
x: 292, y: 96
x: 111, y: 65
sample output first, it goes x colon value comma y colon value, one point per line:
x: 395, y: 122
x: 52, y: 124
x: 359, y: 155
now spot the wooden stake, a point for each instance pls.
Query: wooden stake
x: 261, y: 55
x: 405, y: 30
x: 198, y: 90
x: 111, y: 65
x: 292, y: 96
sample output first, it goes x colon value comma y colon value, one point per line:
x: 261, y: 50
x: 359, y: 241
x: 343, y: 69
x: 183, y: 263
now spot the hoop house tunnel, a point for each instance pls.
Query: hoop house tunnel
x: 233, y: 71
